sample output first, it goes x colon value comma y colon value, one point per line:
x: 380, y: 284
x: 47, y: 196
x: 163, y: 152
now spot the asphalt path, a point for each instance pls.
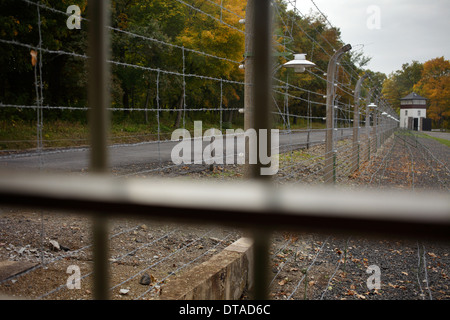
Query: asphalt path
x: 77, y: 159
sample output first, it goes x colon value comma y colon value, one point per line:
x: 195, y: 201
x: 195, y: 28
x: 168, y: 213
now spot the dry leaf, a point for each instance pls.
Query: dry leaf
x: 33, y: 54
x: 350, y: 293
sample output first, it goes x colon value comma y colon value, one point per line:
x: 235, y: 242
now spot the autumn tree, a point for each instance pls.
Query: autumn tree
x: 313, y: 35
x: 435, y: 85
x: 222, y: 37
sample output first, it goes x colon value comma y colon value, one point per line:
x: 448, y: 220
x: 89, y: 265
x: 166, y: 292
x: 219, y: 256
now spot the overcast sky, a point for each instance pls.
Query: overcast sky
x: 391, y: 32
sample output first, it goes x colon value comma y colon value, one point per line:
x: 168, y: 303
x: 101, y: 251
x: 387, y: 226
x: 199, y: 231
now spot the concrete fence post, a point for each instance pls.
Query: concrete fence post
x: 356, y: 122
x: 330, y: 148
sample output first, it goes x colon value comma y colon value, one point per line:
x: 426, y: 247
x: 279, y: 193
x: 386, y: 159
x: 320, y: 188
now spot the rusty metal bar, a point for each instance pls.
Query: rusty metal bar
x: 257, y: 117
x: 391, y: 213
x: 98, y: 92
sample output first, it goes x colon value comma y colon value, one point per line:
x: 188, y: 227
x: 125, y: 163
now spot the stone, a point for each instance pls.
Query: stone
x: 145, y: 280
x: 124, y: 291
x: 55, y: 245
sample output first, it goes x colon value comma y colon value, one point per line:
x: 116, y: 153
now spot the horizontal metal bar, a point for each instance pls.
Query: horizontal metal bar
x: 239, y: 204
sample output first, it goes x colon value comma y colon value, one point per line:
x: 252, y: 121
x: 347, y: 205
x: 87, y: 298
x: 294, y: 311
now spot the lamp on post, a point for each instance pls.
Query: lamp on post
x: 299, y: 63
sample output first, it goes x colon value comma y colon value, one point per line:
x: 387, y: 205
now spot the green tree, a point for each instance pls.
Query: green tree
x: 401, y: 83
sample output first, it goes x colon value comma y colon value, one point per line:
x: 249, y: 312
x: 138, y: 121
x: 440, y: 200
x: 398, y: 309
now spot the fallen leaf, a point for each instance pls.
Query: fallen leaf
x: 350, y: 293
x: 33, y: 54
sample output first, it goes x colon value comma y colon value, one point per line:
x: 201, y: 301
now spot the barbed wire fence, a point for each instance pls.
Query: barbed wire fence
x: 40, y: 141
x: 313, y: 277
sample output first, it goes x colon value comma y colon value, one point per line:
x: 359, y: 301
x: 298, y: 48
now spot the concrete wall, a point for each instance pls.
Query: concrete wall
x: 223, y: 277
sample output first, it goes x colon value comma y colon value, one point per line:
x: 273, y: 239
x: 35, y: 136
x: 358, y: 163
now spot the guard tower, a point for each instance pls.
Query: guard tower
x: 413, y: 111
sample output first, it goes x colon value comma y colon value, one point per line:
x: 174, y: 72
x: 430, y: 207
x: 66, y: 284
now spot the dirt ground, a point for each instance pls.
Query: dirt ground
x: 303, y: 266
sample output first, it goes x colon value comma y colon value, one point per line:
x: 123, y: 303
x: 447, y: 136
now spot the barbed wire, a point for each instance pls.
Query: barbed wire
x: 308, y: 268
x: 210, y: 16
x: 185, y: 265
x: 133, y: 34
x: 65, y: 256
x: 338, y: 264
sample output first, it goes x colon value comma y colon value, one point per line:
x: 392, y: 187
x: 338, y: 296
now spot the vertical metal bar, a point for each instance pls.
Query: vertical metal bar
x: 98, y: 100
x: 248, y: 86
x: 257, y: 110
x: 261, y: 264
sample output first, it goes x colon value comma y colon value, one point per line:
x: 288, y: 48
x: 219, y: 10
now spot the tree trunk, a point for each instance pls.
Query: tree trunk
x: 180, y: 108
x: 147, y: 99
x: 126, y: 101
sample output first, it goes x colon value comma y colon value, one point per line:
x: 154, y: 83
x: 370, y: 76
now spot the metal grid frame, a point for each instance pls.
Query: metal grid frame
x: 256, y: 204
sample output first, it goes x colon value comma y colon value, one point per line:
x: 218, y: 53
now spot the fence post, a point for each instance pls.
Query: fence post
x: 308, y: 139
x: 356, y: 121
x: 375, y: 128
x: 329, y: 170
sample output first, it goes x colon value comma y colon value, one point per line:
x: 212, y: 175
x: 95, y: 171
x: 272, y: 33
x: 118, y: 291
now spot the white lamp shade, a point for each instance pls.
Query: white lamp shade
x: 299, y: 63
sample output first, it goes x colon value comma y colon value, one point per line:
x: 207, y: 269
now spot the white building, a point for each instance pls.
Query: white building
x: 413, y: 109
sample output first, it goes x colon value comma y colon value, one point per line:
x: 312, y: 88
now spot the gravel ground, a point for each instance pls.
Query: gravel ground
x: 303, y: 266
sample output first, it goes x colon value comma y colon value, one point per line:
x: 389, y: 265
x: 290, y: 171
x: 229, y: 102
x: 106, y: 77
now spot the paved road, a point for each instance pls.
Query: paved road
x: 138, y: 154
